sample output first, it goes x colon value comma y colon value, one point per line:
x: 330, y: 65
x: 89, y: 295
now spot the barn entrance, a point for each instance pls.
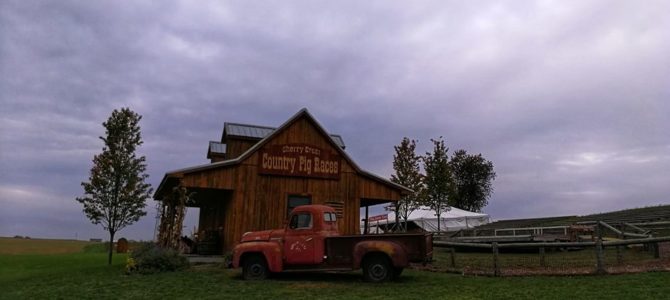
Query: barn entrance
x: 365, y: 205
x: 207, y: 238
x: 212, y: 205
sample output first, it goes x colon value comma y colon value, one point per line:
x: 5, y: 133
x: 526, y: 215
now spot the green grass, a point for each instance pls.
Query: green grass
x: 82, y: 273
x: 87, y: 276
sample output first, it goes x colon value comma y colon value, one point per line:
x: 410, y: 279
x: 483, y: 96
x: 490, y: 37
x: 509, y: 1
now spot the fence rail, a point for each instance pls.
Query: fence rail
x: 552, y: 244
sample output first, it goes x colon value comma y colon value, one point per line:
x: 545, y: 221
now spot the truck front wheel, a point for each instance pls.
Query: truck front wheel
x: 255, y: 268
x: 377, y: 268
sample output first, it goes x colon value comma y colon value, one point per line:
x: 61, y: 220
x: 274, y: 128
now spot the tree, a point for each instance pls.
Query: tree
x: 473, y: 180
x: 438, y: 180
x: 407, y: 173
x: 115, y: 194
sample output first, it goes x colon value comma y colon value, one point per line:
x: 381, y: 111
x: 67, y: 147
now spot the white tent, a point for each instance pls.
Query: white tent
x: 452, y: 220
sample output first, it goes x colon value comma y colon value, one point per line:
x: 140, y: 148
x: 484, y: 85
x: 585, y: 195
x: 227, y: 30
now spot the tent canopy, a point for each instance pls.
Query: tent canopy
x: 450, y: 220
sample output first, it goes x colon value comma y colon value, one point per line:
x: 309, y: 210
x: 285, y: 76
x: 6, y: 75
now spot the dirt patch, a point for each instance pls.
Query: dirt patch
x: 316, y: 285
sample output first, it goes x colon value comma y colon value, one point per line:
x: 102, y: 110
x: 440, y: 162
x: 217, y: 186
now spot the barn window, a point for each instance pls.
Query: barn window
x: 295, y: 201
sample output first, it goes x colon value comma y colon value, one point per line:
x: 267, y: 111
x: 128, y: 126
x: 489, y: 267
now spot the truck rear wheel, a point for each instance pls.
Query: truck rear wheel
x: 255, y: 268
x: 377, y: 268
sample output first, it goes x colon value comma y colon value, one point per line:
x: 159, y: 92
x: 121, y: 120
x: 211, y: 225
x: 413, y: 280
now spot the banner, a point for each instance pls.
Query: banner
x: 298, y: 160
x: 378, y: 218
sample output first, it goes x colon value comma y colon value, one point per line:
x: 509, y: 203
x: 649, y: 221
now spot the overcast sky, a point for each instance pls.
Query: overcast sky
x: 570, y: 100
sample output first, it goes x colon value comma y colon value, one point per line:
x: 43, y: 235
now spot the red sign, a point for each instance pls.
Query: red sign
x: 378, y: 218
x: 298, y: 160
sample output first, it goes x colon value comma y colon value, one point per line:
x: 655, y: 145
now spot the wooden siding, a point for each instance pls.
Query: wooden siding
x: 222, y: 178
x: 216, y: 158
x: 372, y: 189
x: 259, y: 202
x: 235, y: 147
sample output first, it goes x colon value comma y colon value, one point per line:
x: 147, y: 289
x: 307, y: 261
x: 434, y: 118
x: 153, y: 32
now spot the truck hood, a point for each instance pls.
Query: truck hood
x: 265, y: 235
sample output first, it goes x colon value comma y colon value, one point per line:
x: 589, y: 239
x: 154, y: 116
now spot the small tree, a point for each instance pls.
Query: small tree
x: 116, y: 193
x: 473, y: 180
x: 407, y: 173
x: 438, y: 180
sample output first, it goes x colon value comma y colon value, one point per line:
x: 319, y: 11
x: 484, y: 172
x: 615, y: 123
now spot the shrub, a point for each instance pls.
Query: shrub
x: 148, y: 258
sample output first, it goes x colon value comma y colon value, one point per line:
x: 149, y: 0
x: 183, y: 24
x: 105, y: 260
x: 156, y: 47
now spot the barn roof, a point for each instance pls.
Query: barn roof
x: 215, y: 148
x: 257, y: 132
x: 302, y: 113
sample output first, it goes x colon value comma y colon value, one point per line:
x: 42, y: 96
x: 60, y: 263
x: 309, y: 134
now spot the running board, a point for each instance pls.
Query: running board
x: 318, y: 270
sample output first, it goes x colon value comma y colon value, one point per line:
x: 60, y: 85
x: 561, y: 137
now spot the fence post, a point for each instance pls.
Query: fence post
x: 600, y: 267
x: 619, y: 249
x: 656, y: 249
x: 453, y: 257
x: 542, y: 260
x: 496, y: 266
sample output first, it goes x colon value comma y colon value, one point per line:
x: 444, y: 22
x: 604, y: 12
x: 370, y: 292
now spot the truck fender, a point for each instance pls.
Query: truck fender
x: 395, y: 252
x: 271, y: 252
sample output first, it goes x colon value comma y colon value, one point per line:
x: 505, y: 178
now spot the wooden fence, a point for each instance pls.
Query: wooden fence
x: 598, y: 245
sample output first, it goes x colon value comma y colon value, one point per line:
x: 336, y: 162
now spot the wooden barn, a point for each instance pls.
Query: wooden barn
x: 258, y: 174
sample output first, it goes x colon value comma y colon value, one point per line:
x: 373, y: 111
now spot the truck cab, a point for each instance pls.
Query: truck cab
x: 310, y: 241
x: 304, y: 236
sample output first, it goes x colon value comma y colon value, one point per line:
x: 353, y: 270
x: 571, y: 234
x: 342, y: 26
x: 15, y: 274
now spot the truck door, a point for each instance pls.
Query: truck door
x: 299, y: 240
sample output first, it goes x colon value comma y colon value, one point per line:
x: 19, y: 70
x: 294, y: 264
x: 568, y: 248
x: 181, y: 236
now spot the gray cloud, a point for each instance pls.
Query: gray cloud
x: 568, y: 99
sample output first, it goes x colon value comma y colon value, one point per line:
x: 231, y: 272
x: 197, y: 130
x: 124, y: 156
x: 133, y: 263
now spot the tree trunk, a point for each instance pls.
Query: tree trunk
x: 111, y: 247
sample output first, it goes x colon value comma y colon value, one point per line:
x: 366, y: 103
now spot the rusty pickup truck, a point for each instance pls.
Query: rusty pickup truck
x: 311, y: 242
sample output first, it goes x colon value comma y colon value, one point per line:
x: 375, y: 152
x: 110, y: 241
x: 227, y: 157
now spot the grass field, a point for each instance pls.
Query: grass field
x: 40, y: 246
x: 86, y: 276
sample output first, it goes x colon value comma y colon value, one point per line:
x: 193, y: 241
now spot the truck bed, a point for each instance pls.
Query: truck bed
x: 339, y: 249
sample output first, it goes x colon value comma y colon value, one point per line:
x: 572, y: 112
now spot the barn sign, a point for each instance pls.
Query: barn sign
x: 298, y: 160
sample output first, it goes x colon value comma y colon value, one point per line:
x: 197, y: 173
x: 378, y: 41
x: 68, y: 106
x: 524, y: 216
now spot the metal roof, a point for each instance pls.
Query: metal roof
x: 216, y: 147
x: 260, y: 132
x: 338, y: 140
x: 249, y: 131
